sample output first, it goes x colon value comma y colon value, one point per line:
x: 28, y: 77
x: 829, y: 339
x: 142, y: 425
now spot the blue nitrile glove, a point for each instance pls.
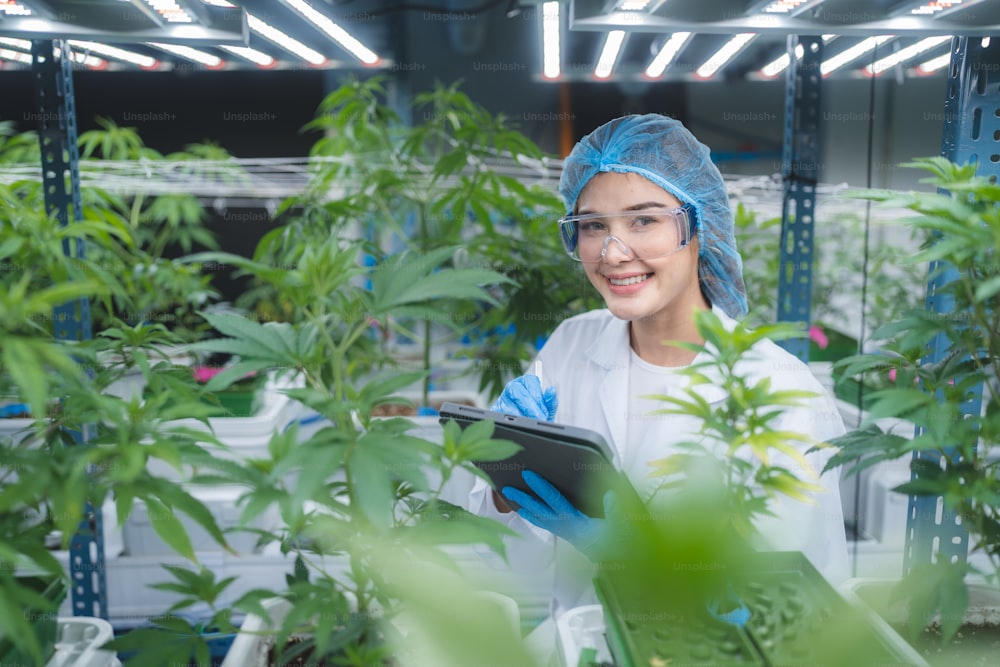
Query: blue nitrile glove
x: 524, y: 396
x: 557, y: 515
x: 738, y: 616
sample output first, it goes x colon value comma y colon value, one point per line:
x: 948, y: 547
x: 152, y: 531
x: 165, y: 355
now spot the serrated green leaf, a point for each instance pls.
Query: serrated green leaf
x: 169, y: 528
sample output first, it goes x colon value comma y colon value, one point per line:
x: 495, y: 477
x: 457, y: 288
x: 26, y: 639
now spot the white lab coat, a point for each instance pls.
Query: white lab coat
x: 587, y: 360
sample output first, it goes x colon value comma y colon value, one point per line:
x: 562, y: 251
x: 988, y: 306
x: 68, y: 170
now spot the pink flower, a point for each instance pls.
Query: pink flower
x: 892, y: 374
x: 205, y: 373
x: 817, y: 336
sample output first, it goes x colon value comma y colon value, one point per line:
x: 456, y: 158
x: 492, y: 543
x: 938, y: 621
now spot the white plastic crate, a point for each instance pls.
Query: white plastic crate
x: 141, y: 540
x: 247, y: 437
x: 78, y: 642
x: 578, y: 629
x: 885, y: 515
x: 131, y: 602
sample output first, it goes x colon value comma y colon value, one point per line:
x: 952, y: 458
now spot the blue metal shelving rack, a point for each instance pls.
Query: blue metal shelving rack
x: 52, y: 71
x: 800, y: 171
x: 971, y: 135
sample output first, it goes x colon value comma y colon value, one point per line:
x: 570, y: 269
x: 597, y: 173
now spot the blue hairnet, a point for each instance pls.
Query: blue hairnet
x: 663, y: 151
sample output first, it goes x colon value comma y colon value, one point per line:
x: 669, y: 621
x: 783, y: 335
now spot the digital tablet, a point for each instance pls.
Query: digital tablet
x: 575, y: 460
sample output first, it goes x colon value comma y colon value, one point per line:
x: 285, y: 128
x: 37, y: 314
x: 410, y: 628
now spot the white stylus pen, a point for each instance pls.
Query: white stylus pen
x: 538, y: 372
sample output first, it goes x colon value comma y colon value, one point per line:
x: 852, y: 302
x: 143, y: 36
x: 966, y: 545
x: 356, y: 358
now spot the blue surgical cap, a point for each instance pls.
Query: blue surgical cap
x: 663, y: 151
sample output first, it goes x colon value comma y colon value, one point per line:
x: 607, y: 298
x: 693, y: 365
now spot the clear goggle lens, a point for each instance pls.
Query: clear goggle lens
x: 646, y: 234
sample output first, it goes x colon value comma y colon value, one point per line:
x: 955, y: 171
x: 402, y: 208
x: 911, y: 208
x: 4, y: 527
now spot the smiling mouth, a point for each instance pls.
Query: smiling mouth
x: 629, y: 281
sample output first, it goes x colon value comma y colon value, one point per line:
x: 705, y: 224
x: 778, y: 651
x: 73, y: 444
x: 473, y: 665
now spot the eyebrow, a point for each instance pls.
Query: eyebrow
x: 635, y: 207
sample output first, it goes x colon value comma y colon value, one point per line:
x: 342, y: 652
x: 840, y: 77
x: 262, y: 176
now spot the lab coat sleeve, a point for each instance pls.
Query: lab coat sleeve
x: 815, y: 528
x: 530, y: 550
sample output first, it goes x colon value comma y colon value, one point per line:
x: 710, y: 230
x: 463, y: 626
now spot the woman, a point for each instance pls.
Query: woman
x: 649, y: 219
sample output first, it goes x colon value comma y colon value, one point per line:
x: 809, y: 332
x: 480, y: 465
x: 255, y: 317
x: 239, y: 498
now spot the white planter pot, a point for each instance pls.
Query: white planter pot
x: 871, y: 595
x: 250, y: 647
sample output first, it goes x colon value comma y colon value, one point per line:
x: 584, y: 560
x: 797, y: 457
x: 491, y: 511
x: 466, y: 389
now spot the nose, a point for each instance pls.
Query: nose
x: 615, y: 251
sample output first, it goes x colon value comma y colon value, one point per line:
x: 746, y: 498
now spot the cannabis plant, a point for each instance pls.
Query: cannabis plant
x: 361, y: 487
x: 954, y: 448
x: 445, y: 179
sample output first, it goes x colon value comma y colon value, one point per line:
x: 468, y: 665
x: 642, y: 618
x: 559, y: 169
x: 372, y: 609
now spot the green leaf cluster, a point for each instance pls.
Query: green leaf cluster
x: 740, y: 455
x: 952, y: 451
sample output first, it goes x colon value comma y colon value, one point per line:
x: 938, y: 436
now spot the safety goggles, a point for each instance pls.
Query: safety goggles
x: 646, y: 234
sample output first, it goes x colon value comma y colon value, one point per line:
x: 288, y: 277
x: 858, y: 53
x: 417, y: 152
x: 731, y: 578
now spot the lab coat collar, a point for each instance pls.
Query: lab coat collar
x: 610, y: 351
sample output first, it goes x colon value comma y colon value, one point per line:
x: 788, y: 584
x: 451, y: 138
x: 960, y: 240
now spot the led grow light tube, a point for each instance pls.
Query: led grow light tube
x: 853, y: 53
x: 609, y: 54
x: 116, y: 53
x: 724, y: 55
x: 632, y: 5
x: 12, y: 8
x: 194, y: 55
x: 551, y: 67
x: 667, y: 54
x: 334, y: 31
x: 904, y: 54
x: 253, y: 55
x: 170, y: 11
x: 781, y: 63
x: 82, y: 58
x: 934, y: 64
x: 23, y: 44
x: 284, y: 41
x: 17, y: 56
x: 932, y: 8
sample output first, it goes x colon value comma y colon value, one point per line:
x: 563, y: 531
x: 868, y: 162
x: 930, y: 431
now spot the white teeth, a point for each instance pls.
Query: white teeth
x: 629, y: 281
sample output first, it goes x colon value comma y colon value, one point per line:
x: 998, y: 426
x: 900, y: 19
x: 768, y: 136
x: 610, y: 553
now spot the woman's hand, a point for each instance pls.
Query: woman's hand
x: 523, y: 396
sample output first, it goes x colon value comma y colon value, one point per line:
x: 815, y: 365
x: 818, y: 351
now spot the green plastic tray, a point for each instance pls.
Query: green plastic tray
x: 244, y: 398
x: 796, y: 619
x: 44, y: 622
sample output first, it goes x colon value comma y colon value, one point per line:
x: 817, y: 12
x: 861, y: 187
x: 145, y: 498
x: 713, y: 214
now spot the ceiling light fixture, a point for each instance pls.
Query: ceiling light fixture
x: 667, y: 54
x: 116, y: 53
x: 934, y: 64
x: 906, y: 53
x: 853, y: 53
x: 551, y: 50
x: 207, y: 59
x: 284, y: 41
x: 609, y: 54
x: 170, y: 11
x: 724, y: 55
x: 253, y: 55
x: 334, y: 31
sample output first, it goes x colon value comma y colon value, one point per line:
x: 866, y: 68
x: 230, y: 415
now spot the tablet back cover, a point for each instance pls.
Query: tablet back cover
x: 576, y: 461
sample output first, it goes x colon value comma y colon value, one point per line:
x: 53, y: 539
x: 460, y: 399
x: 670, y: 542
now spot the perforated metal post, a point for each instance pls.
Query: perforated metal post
x: 800, y: 168
x: 53, y: 75
x: 971, y: 134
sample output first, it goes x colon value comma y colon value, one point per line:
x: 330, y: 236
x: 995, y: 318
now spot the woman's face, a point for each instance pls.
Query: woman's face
x: 668, y: 285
